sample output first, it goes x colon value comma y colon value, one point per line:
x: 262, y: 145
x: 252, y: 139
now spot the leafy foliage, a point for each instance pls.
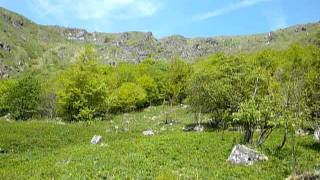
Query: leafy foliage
x: 24, y: 97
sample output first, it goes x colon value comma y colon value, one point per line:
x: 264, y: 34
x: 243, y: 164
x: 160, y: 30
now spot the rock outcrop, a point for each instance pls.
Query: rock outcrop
x: 38, y: 45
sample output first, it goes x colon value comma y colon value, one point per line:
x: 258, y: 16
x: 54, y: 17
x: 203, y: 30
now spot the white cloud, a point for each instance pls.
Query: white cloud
x: 227, y: 9
x: 100, y: 9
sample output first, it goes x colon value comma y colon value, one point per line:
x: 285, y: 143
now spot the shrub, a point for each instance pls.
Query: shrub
x: 24, y: 97
x: 5, y: 86
x: 128, y: 97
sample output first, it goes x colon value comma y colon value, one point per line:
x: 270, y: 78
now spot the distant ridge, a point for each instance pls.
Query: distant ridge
x: 24, y: 43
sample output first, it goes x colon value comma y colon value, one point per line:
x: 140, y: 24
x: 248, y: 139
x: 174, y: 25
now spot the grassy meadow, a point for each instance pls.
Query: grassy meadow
x: 40, y: 149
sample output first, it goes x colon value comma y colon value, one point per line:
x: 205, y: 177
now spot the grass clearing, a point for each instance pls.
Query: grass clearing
x: 48, y: 149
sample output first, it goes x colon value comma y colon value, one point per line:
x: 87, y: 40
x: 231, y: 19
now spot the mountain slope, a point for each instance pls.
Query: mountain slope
x: 24, y: 44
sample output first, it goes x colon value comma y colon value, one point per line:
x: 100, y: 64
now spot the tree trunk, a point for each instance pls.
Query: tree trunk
x: 284, y: 138
x: 293, y: 151
x: 263, y: 136
x: 248, y: 134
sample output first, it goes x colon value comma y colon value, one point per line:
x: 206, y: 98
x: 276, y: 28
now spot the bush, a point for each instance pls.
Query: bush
x: 5, y: 86
x: 149, y: 85
x: 24, y: 98
x: 82, y: 93
x: 127, y: 98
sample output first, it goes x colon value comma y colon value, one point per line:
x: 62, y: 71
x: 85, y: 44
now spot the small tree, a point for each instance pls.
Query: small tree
x: 23, y: 98
x: 82, y: 91
x: 127, y: 98
x: 249, y: 117
x: 149, y: 85
x: 5, y: 88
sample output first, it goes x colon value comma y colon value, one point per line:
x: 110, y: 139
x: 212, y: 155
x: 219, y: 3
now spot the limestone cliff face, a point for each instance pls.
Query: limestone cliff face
x: 136, y: 46
x: 24, y: 44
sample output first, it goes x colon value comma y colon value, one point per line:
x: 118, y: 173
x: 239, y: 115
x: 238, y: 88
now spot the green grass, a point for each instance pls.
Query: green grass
x: 46, y: 149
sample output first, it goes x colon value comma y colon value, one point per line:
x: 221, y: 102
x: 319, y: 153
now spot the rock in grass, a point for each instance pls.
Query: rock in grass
x: 198, y: 128
x: 305, y: 176
x: 96, y: 139
x: 301, y: 132
x: 148, y: 132
x: 187, y: 128
x: 317, y: 135
x: 243, y: 155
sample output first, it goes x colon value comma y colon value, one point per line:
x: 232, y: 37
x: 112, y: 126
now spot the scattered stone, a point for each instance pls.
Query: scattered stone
x: 241, y: 154
x: 17, y: 24
x: 184, y: 106
x: 5, y: 46
x: 61, y: 123
x: 187, y: 128
x: 96, y: 139
x: 317, y: 135
x: 148, y: 132
x: 305, y: 176
x: 198, y: 128
x: 7, y: 117
x: 301, y: 132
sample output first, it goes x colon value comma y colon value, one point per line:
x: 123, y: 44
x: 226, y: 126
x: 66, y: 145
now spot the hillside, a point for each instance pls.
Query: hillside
x: 24, y: 43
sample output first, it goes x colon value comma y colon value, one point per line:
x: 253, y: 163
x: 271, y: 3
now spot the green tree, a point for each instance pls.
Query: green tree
x: 127, y: 98
x: 24, y: 98
x: 150, y: 87
x: 5, y: 87
x: 82, y: 90
x: 176, y: 81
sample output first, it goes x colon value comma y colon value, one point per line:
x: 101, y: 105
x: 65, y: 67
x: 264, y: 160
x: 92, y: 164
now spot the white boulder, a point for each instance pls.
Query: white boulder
x: 96, y: 139
x: 198, y: 128
x: 241, y: 154
x: 148, y: 132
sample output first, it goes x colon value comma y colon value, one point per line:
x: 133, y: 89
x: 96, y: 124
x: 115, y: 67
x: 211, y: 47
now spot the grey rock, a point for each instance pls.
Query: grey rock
x: 241, y: 154
x: 187, y: 128
x: 96, y: 139
x: 17, y: 24
x: 5, y: 46
x: 198, y: 128
x: 306, y: 176
x: 148, y: 132
x: 301, y: 132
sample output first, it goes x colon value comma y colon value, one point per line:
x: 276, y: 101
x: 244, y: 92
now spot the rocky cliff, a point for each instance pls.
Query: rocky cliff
x: 24, y: 44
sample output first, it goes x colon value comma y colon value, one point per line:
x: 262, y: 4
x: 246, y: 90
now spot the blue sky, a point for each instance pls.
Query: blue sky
x: 190, y: 18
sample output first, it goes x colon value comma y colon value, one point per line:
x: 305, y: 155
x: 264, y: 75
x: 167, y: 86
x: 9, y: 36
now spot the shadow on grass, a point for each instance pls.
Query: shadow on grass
x: 314, y: 146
